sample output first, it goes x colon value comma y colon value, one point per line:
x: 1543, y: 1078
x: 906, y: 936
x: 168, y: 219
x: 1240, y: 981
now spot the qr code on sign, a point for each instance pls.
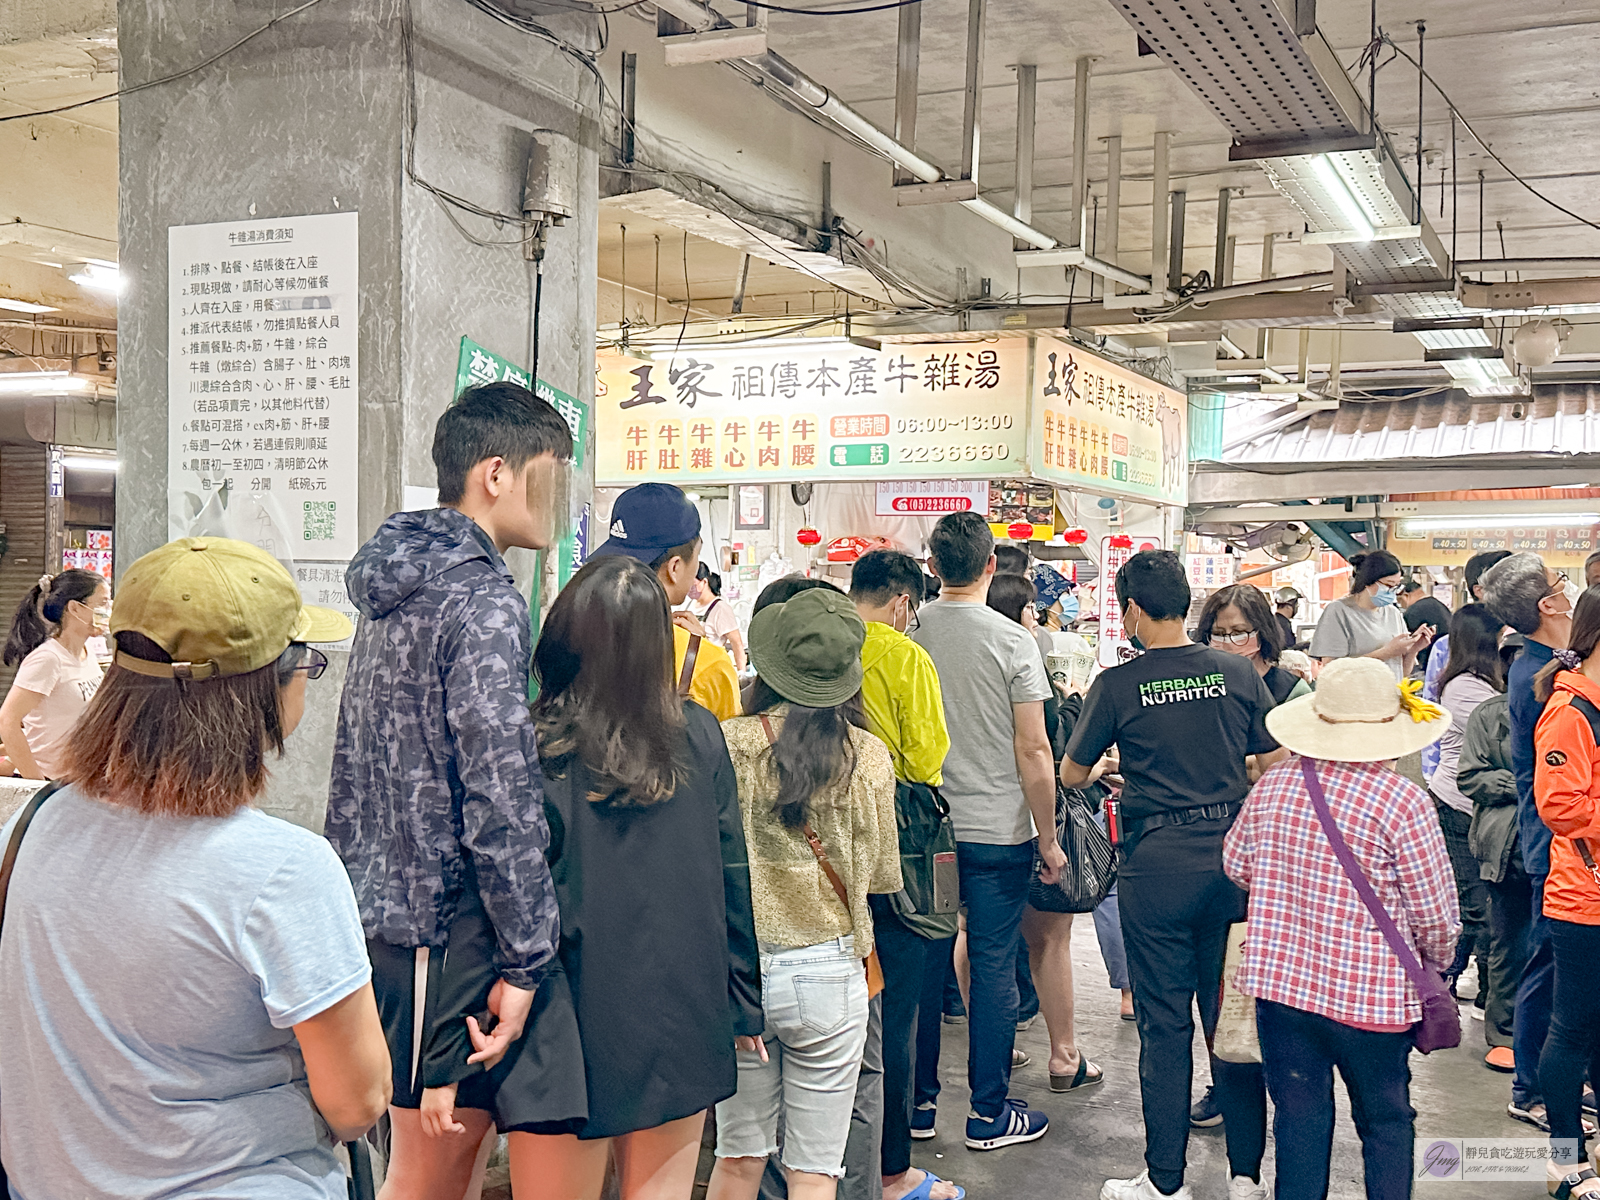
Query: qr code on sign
x: 322, y: 520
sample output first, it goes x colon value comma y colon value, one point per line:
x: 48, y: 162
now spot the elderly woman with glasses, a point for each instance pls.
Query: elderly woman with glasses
x: 1236, y: 620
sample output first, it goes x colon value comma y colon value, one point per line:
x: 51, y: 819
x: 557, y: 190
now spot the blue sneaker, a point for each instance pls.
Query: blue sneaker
x: 922, y: 1117
x: 1016, y: 1123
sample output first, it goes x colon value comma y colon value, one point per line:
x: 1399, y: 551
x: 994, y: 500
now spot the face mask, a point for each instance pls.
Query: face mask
x: 1133, y: 638
x: 1384, y: 597
x: 1069, y: 609
x: 1571, y: 591
x: 1247, y: 650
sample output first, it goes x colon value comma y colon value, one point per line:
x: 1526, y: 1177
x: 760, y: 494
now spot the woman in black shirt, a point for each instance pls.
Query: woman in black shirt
x: 657, y: 970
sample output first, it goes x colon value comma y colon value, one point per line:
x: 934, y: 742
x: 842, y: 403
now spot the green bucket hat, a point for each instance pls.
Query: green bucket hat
x: 808, y: 649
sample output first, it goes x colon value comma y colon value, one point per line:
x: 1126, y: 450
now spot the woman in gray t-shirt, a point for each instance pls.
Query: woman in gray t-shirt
x: 1367, y: 623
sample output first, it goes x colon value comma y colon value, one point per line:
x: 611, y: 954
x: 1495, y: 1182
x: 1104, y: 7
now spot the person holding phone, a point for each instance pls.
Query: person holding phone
x: 1368, y: 622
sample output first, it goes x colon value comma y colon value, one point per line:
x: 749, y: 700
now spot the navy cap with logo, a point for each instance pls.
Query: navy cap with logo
x: 649, y: 520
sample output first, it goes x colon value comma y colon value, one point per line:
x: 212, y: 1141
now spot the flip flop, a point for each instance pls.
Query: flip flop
x: 1081, y: 1079
x: 924, y: 1190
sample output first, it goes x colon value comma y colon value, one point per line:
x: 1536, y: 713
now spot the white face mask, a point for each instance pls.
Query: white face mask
x: 1571, y: 591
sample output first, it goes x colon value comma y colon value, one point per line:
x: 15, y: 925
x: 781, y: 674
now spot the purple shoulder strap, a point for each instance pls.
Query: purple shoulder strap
x: 1421, y: 979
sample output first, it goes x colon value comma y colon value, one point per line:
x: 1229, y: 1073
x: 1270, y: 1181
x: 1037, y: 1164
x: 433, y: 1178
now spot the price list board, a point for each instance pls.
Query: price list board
x: 263, y: 402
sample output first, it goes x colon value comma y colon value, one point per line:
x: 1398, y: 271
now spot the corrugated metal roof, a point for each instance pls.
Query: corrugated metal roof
x: 1560, y: 420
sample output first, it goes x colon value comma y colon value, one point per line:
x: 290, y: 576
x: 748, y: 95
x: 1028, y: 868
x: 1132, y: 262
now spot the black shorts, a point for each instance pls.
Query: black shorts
x: 448, y: 985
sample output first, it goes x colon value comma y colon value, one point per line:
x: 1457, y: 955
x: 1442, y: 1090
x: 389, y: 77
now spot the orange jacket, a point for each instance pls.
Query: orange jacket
x: 1566, y: 787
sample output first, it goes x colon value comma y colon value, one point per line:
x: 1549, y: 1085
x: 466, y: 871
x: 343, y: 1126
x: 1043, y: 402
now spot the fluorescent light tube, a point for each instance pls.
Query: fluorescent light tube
x: 1339, y: 192
x: 24, y: 306
x: 102, y: 276
x: 87, y: 463
x: 1500, y: 520
x: 42, y: 383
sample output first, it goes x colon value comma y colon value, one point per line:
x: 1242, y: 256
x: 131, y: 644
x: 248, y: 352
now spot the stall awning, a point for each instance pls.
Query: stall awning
x: 1564, y: 419
x: 1434, y: 443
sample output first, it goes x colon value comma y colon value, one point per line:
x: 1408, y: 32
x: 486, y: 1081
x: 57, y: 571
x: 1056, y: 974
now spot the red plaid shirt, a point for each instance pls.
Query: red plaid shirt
x: 1311, y: 944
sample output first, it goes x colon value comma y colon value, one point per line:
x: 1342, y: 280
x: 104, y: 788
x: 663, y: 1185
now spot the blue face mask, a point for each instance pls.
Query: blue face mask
x: 1069, y: 609
x: 1385, y: 596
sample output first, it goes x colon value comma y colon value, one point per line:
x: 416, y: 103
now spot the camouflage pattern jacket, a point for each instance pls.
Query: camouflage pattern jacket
x: 435, y: 758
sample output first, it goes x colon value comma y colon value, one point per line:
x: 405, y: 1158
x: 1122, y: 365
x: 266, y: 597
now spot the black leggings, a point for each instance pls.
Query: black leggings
x: 1573, y: 1047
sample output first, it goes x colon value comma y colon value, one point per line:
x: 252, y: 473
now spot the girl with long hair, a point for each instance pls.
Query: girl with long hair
x: 633, y: 1035
x: 1368, y: 622
x: 1236, y: 620
x: 1474, y: 673
x: 816, y: 793
x: 1566, y: 787
x: 58, y: 676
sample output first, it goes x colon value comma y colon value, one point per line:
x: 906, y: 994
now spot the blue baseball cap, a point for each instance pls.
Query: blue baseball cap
x: 649, y: 520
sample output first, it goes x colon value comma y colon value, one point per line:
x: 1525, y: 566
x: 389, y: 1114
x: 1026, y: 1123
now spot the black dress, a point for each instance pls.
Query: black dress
x: 658, y: 968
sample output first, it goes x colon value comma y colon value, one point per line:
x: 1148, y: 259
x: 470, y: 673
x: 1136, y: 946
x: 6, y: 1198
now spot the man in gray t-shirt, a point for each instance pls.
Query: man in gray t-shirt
x: 999, y: 779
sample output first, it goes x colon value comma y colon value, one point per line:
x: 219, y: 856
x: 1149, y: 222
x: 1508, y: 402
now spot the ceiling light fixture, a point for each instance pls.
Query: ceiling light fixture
x: 85, y: 463
x: 102, y: 276
x: 24, y: 306
x: 1339, y: 192
x: 43, y: 383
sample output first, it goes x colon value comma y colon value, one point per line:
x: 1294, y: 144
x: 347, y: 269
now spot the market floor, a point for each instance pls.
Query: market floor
x: 1098, y: 1134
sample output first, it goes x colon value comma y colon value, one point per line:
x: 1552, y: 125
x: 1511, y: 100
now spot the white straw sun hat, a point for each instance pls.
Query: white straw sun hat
x: 1358, y: 714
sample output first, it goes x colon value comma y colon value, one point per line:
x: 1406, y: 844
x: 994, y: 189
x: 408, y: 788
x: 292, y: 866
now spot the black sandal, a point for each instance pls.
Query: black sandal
x: 1081, y: 1079
x: 1567, y: 1187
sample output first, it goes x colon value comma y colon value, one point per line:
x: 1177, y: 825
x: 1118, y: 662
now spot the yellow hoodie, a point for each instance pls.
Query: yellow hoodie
x: 904, y: 705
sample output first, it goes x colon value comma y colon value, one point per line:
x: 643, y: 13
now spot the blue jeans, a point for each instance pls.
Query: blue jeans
x: 1299, y: 1051
x: 815, y: 1000
x: 994, y: 888
x: 1535, y: 998
x: 1108, y: 930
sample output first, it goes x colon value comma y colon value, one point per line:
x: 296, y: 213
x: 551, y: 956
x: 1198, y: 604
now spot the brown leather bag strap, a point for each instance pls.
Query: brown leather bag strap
x: 686, y: 679
x: 812, y: 839
x: 17, y: 832
x: 1588, y: 859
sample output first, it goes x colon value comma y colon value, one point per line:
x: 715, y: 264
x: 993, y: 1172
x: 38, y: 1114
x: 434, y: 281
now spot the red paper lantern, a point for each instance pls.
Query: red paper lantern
x: 1075, y: 537
x: 1121, y: 541
x: 808, y: 537
x: 1019, y: 531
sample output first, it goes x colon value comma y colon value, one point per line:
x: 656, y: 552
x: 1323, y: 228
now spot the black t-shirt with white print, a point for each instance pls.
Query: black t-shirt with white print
x: 1183, y: 719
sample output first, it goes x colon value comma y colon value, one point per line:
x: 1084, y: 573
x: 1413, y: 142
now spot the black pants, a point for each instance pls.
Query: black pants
x: 1510, y: 903
x: 1573, y: 1047
x: 904, y: 957
x: 1175, y: 927
x: 1470, y: 892
x: 938, y: 970
x: 1300, y: 1051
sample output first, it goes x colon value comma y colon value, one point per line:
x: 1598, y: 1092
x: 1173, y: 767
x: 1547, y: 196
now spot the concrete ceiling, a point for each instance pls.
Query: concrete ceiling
x: 58, y: 190
x: 1518, y: 72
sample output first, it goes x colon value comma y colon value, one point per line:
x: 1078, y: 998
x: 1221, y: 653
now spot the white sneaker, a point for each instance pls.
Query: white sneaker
x: 1140, y: 1188
x: 1241, y: 1187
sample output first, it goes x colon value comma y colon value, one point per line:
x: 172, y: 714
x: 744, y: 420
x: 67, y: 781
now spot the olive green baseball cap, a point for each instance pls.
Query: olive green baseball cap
x: 218, y: 607
x: 808, y: 649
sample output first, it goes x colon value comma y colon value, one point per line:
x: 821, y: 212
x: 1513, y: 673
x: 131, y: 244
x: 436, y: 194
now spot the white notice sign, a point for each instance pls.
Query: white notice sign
x: 262, y: 397
x: 1114, y: 646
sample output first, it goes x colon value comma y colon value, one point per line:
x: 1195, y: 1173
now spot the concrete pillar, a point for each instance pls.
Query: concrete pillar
x: 311, y: 117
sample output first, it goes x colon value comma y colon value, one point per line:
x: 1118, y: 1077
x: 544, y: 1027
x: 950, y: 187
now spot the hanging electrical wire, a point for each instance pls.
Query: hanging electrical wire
x: 1487, y: 149
x: 164, y: 79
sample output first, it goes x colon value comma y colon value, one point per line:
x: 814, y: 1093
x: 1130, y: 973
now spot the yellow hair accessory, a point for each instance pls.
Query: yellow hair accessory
x: 1410, y: 701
